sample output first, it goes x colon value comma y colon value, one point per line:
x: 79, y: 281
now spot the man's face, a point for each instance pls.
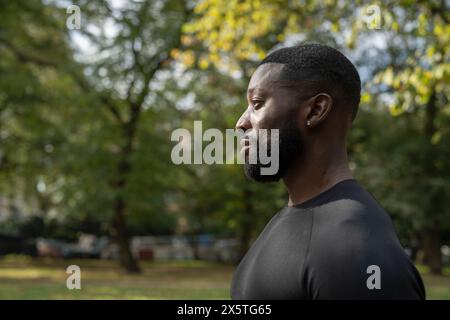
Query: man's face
x: 270, y: 106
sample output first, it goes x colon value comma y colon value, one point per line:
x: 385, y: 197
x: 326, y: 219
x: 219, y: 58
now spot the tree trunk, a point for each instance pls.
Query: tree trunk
x: 195, y: 247
x: 118, y: 223
x: 120, y: 235
x: 431, y: 233
x: 431, y: 247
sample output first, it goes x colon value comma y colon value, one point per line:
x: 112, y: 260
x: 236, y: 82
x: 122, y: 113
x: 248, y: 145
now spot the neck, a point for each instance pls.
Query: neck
x: 316, y: 171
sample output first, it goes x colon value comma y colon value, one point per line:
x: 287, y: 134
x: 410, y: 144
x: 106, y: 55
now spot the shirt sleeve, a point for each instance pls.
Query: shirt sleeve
x: 347, y: 262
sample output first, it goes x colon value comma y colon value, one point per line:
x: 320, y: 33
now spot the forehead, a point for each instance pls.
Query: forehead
x: 265, y: 77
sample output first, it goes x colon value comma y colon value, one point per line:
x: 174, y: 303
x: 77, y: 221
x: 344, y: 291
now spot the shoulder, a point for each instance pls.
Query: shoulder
x: 350, y: 238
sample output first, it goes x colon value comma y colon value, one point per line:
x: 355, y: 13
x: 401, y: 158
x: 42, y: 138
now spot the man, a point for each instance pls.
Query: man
x: 332, y: 240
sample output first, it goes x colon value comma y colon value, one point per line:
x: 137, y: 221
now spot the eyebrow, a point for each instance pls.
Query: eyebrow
x: 250, y: 91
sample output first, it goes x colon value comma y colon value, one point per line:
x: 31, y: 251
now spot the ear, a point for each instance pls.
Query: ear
x: 319, y: 108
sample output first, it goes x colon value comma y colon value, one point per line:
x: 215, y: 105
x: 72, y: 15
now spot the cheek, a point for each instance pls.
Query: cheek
x: 268, y: 117
x: 281, y: 120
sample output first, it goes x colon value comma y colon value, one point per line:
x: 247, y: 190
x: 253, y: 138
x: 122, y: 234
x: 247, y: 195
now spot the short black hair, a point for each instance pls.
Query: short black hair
x: 325, y: 66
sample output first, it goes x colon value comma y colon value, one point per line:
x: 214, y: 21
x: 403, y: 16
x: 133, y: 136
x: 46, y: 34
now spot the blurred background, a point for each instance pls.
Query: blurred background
x: 90, y: 92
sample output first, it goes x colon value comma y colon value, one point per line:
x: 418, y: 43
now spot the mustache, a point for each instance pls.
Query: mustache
x: 255, y: 135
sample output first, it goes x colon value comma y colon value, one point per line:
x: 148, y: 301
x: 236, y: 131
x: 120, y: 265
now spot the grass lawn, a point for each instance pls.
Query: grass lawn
x: 25, y: 278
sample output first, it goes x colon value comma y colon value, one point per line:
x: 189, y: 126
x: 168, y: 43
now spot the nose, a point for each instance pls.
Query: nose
x: 244, y: 121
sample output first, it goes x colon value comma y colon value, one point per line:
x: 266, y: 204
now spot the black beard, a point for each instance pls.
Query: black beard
x: 291, y: 146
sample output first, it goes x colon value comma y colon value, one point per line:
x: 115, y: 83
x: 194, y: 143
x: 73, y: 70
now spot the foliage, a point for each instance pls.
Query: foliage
x: 85, y: 132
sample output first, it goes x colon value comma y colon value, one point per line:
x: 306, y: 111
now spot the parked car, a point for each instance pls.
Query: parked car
x: 88, y: 246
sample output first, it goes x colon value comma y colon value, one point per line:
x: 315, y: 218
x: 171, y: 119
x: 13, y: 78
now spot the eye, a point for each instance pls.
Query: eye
x: 257, y: 104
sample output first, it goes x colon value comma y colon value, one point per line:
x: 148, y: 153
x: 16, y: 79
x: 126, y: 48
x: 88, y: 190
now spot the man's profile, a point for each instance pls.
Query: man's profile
x: 332, y: 240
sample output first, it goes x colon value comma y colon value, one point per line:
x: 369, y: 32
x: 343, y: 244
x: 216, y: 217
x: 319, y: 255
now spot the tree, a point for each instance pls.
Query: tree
x: 32, y: 44
x: 73, y: 126
x: 126, y: 63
